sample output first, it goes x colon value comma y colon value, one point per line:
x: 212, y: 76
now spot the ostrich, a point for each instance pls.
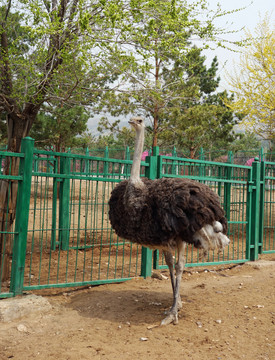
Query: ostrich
x: 166, y: 214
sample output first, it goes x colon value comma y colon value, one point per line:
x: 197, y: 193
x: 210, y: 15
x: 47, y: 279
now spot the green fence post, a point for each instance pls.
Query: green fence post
x: 201, y: 154
x: 253, y: 211
x: 151, y: 173
x: 22, y: 217
x: 174, y: 167
x: 87, y: 153
x: 127, y: 153
x: 64, y: 204
x: 261, y: 154
x: 261, y: 204
x: 106, y: 164
x: 56, y: 181
x: 201, y: 166
x: 227, y: 186
x: 126, y: 169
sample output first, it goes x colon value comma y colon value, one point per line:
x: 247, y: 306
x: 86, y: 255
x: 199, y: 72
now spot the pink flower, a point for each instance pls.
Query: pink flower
x: 144, y: 154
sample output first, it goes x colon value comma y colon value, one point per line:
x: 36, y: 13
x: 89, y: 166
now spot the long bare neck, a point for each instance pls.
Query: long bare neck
x: 135, y: 171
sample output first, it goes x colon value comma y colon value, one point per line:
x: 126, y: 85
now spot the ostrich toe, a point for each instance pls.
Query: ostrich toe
x: 172, y: 317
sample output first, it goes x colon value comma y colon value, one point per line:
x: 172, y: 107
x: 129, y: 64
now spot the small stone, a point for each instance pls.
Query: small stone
x: 218, y: 321
x: 150, y: 327
x: 22, y: 328
x: 155, y: 303
x: 260, y: 306
x: 157, y: 276
x: 143, y: 339
x: 199, y: 324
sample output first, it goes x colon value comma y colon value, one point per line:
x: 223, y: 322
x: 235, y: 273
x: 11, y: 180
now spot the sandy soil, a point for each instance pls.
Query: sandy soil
x: 228, y: 313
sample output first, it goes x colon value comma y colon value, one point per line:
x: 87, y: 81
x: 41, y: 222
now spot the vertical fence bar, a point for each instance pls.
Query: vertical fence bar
x: 106, y: 164
x: 54, y: 206
x: 22, y: 217
x: 126, y: 166
x: 64, y: 204
x: 227, y: 187
x: 253, y: 196
x: 174, y: 167
x: 151, y: 172
x: 261, y: 205
x: 87, y: 153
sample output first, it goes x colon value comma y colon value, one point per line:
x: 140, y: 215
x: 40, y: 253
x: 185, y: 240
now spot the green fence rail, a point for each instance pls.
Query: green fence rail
x: 61, y: 235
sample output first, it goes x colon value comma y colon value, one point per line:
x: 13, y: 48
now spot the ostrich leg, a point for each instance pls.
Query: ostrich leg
x: 170, y: 263
x: 173, y: 312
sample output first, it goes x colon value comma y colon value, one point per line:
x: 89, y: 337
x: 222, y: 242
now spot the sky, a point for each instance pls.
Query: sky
x: 247, y: 18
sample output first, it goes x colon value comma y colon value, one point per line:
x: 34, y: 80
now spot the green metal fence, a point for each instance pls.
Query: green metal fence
x: 268, y: 199
x: 61, y: 235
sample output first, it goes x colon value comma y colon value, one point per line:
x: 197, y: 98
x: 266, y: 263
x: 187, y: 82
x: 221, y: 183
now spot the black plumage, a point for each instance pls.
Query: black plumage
x: 162, y: 210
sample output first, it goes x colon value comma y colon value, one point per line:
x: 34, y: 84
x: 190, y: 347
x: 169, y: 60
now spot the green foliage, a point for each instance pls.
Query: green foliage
x: 60, y: 127
x: 245, y: 142
x: 116, y: 54
x: 54, y: 52
x: 165, y: 72
x: 253, y: 83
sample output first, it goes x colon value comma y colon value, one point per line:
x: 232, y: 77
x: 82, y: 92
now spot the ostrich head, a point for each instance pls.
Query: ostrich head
x: 137, y: 123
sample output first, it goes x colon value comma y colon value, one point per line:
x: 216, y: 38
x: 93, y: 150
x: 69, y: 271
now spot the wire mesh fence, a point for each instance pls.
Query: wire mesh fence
x: 62, y: 236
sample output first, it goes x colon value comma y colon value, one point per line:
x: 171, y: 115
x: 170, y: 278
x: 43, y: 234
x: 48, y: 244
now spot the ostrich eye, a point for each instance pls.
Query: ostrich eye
x: 140, y: 121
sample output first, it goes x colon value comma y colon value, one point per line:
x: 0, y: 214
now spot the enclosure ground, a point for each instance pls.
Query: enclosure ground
x: 228, y: 313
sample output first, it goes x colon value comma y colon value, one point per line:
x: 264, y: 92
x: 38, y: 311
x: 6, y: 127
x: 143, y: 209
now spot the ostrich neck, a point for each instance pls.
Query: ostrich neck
x: 135, y: 171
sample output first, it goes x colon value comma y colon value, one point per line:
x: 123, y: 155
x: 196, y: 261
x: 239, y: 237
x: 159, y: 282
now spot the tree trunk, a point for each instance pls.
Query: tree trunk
x: 17, y: 129
x: 155, y: 130
x: 156, y: 108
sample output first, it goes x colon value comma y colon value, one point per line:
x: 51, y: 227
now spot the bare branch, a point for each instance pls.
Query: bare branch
x: 8, y: 10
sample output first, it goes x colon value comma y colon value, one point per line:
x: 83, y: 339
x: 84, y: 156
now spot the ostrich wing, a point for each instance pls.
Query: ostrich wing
x: 185, y: 206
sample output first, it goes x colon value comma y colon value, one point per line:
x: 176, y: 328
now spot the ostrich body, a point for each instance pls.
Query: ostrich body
x: 166, y: 214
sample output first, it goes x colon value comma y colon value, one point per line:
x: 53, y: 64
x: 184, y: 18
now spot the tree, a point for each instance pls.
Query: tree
x: 253, y: 83
x: 60, y: 127
x: 244, y: 142
x: 197, y: 117
x: 50, y: 52
x: 159, y: 34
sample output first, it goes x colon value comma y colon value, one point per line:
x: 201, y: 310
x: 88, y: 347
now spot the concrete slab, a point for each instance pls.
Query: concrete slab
x: 18, y: 307
x: 260, y: 263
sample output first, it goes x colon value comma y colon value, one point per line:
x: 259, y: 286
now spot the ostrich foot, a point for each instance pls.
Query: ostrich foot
x: 172, y: 317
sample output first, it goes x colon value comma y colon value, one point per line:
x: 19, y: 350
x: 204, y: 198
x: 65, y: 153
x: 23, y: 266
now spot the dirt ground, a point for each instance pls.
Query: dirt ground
x: 228, y: 313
